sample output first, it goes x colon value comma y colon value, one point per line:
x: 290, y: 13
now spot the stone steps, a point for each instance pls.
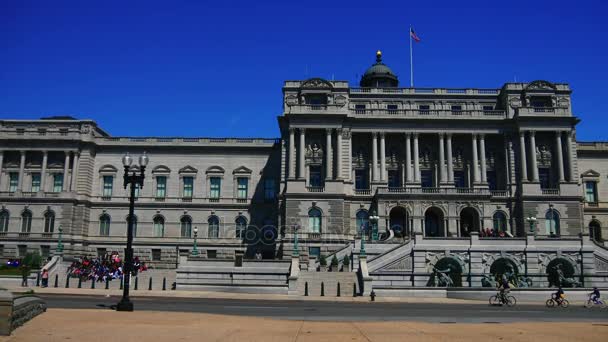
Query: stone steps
x: 330, y: 281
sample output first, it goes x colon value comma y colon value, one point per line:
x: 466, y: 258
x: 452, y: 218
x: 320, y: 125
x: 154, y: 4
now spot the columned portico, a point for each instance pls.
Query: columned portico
x: 301, y: 167
x: 533, y: 156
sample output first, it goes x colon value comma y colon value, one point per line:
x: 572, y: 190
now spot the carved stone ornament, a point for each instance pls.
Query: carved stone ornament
x: 540, y: 85
x: 346, y: 134
x: 314, y: 153
x: 340, y: 100
x: 543, y: 155
x: 563, y: 102
x: 317, y: 83
x: 291, y: 100
x: 515, y: 102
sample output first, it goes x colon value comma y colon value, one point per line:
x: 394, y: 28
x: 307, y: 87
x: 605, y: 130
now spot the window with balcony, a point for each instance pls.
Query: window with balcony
x: 361, y: 179
x: 161, y: 186
x: 269, y: 189
x: 104, y: 225
x: 26, y: 221
x: 188, y: 187
x: 242, y: 184
x: 215, y: 185
x: 316, y: 180
x: 49, y: 222
x: 394, y: 179
x: 58, y: 182
x: 591, y: 192
x: 316, y: 101
x: 541, y: 101
x: 13, y: 182
x: 35, y: 182
x: 108, y: 184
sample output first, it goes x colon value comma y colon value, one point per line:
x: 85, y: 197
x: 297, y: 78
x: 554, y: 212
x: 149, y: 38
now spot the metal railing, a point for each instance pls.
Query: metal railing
x: 315, y: 188
x: 442, y: 113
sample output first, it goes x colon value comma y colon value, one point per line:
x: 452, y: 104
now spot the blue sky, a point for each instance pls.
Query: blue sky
x: 215, y: 68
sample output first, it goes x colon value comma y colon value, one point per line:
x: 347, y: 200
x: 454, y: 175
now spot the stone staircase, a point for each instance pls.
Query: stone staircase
x: 330, y: 281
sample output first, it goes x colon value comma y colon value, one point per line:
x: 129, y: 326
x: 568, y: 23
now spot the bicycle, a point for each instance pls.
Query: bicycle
x: 551, y: 302
x: 502, y: 298
x: 595, y: 302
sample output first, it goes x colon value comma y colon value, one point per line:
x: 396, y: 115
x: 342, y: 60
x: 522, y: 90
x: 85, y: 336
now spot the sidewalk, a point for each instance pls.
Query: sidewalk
x: 106, y: 325
x: 230, y: 295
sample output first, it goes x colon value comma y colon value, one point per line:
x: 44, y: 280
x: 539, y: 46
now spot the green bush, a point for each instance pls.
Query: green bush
x: 33, y: 260
x: 334, y: 261
x: 346, y: 261
x: 322, y: 260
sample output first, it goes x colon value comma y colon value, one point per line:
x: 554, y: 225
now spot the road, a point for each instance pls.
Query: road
x: 341, y: 311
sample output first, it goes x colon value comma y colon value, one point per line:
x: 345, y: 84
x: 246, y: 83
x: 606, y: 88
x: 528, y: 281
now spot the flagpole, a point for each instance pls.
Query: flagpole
x: 411, y: 60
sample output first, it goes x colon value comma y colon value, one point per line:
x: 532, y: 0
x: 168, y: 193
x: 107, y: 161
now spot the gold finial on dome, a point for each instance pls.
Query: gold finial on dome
x: 378, y: 56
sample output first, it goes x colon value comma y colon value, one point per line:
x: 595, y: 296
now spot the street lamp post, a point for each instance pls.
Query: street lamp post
x: 296, y: 250
x: 131, y: 180
x: 195, y: 249
x: 532, y: 220
x: 59, y: 249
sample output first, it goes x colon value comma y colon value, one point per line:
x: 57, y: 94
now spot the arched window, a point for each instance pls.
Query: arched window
x: 214, y: 227
x: 552, y: 222
x: 362, y: 221
x: 26, y: 221
x: 314, y: 220
x: 159, y: 226
x: 134, y: 225
x: 4, y: 220
x: 595, y: 230
x: 500, y: 221
x: 104, y: 225
x: 186, y: 226
x: 241, y: 226
x: 49, y: 222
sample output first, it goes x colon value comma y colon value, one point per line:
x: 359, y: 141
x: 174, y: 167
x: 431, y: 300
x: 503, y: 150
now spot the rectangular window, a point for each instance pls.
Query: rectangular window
x: 459, y: 179
x: 424, y: 109
x: 269, y: 189
x: 426, y: 178
x: 492, y: 181
x: 45, y: 251
x: 242, y: 183
x: 35, y: 182
x: 590, y: 192
x: 544, y: 176
x: 314, y: 251
x: 58, y: 182
x: 315, y: 176
x: 391, y: 108
x: 13, y: 181
x: 188, y: 187
x: 161, y: 186
x: 361, y: 179
x: 456, y: 109
x: 156, y: 255
x: 215, y: 185
x: 394, y: 178
x: 108, y: 183
x: 137, y: 190
x: 211, y: 254
x: 22, y: 250
x: 488, y: 108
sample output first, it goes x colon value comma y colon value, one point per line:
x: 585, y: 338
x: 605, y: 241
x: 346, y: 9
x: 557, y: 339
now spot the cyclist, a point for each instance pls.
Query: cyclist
x: 595, y: 295
x: 558, y: 295
x: 504, y: 288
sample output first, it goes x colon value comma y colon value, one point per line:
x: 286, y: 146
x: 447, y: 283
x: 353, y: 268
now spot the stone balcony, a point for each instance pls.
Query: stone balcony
x: 543, y: 111
x: 459, y: 192
x: 432, y: 91
x: 176, y: 200
x: 430, y: 113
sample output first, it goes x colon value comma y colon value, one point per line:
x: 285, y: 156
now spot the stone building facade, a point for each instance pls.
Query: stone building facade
x: 435, y: 162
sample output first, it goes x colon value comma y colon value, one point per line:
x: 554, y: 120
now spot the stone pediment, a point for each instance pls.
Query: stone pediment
x: 590, y: 173
x: 161, y: 169
x: 242, y: 170
x: 108, y: 169
x: 215, y: 169
x: 540, y: 85
x: 316, y: 83
x: 188, y: 169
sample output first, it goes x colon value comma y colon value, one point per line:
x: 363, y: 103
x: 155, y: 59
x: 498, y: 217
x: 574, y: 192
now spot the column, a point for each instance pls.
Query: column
x: 482, y: 151
x: 45, y: 158
x: 416, y: 159
x: 450, y: 159
x: 442, y: 172
x: 301, y: 169
x: 507, y: 161
x: 475, y: 165
x: 349, y: 141
x: 75, y: 171
x: 560, y: 156
x: 328, y: 170
x: 533, y: 155
x: 1, y: 161
x: 522, y: 151
x: 292, y: 154
x: 21, y: 173
x: 375, y: 157
x: 382, y: 157
x: 66, y: 168
x: 339, y: 153
x: 570, y: 154
x: 408, y: 157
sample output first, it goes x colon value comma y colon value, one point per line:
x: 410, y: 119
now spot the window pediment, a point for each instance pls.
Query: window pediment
x: 242, y: 170
x: 161, y: 169
x: 215, y: 170
x: 590, y: 174
x: 108, y: 169
x: 188, y: 170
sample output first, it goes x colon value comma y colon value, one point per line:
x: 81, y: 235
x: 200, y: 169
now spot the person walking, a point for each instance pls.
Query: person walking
x: 45, y: 278
x: 25, y: 272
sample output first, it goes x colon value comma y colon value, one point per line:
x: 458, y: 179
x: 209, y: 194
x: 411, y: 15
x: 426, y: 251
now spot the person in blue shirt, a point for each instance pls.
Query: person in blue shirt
x: 595, y: 295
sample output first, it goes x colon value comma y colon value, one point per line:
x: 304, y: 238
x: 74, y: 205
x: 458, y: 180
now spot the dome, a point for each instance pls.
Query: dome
x: 379, y: 75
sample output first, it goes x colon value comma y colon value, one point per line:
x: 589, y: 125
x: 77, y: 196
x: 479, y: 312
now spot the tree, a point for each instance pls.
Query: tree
x: 32, y: 260
x: 322, y: 260
x: 346, y: 261
x: 334, y: 261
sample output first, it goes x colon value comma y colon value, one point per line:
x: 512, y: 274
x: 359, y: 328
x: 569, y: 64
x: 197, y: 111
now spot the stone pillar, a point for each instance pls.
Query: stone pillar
x: 570, y: 157
x: 301, y: 169
x: 475, y: 165
x: 292, y: 154
x: 533, y: 156
x: 21, y: 171
x: 1, y: 161
x: 328, y: 170
x: 408, y: 157
x: 45, y: 158
x: 375, y: 157
x: 560, y: 156
x: 339, y: 153
x: 66, y: 168
x: 382, y: 157
x: 450, y: 159
x: 522, y: 151
x: 482, y: 151
x: 348, y: 136
x: 75, y: 171
x: 416, y: 159
x: 442, y: 172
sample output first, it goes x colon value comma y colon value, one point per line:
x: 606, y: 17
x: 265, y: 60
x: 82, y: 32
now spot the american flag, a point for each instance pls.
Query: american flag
x: 414, y: 36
